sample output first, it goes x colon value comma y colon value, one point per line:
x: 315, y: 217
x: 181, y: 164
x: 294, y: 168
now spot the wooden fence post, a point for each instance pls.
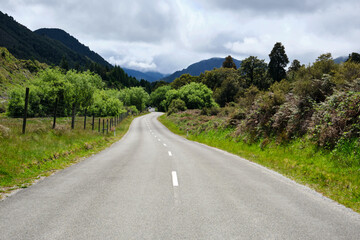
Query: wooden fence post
x: 103, y: 126
x: 25, y: 109
x: 99, y: 124
x: 55, y: 110
x: 93, y: 122
x: 73, y: 116
x: 85, y: 118
x: 107, y: 126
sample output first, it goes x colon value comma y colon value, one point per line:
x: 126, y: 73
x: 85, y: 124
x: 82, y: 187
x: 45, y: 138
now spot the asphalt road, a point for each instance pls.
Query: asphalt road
x: 155, y: 185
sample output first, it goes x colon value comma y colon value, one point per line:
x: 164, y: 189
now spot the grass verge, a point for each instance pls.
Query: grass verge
x: 298, y: 160
x: 42, y: 150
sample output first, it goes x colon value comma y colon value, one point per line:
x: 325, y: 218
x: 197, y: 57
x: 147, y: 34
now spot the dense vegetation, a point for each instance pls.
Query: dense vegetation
x: 74, y: 91
x: 303, y: 121
x: 320, y: 101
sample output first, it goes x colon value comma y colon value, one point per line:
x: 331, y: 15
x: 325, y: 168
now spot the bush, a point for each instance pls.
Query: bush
x: 196, y: 96
x: 176, y: 105
x: 337, y: 119
x: 212, y: 111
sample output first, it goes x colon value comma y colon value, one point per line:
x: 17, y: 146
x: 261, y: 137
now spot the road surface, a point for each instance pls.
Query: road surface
x: 156, y: 185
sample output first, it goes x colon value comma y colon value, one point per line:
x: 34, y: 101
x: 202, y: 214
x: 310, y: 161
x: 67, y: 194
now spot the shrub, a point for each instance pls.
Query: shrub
x: 338, y: 118
x: 176, y: 105
x: 196, y: 96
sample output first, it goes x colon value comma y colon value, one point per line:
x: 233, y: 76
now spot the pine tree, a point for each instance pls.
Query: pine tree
x: 229, y: 63
x: 278, y: 62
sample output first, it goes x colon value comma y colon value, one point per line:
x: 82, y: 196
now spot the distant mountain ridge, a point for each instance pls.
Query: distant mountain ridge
x: 72, y: 43
x: 341, y: 59
x: 149, y: 76
x: 197, y: 68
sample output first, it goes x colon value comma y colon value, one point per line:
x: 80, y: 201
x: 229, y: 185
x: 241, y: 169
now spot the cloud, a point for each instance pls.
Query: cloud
x: 169, y: 35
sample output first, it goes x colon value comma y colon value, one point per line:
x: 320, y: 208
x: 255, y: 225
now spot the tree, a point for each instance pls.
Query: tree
x: 227, y: 92
x: 64, y: 64
x: 158, y: 96
x: 295, y: 66
x: 229, y: 63
x: 354, y: 57
x: 254, y: 72
x: 183, y: 80
x: 324, y: 64
x: 196, y: 96
x: 278, y: 62
x: 134, y: 96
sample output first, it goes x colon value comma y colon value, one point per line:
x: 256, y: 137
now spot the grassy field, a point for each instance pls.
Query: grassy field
x: 43, y: 150
x: 299, y: 160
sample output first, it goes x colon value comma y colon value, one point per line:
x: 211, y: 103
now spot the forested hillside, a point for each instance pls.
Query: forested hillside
x: 72, y: 43
x: 24, y: 44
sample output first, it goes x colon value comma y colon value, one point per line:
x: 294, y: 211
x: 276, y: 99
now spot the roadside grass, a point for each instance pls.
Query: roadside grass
x: 43, y: 150
x: 329, y: 173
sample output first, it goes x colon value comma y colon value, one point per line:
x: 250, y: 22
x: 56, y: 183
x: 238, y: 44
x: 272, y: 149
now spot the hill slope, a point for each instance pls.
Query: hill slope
x: 72, y: 43
x: 197, y: 68
x: 24, y: 44
x: 149, y: 76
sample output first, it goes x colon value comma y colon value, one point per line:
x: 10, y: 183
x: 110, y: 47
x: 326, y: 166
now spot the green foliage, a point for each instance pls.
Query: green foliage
x: 183, y: 80
x: 324, y: 64
x: 278, y: 62
x: 254, y: 71
x: 229, y: 63
x: 225, y: 84
x: 354, y: 58
x: 105, y: 104
x: 196, y: 96
x: 134, y: 96
x: 176, y: 105
x: 82, y: 90
x: 158, y: 97
x: 229, y: 89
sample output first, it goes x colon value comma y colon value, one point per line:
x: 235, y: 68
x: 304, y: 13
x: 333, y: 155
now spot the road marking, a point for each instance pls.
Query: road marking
x: 159, y: 139
x: 174, y: 179
x: 170, y: 154
x: 164, y: 145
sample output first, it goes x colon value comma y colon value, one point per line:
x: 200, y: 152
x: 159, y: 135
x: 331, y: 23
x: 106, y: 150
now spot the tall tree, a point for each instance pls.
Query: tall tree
x: 354, y: 57
x: 254, y: 71
x: 278, y: 62
x: 229, y: 63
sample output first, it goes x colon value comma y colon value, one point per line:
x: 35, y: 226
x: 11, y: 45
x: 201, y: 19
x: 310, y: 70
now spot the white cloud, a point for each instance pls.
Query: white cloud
x: 169, y: 35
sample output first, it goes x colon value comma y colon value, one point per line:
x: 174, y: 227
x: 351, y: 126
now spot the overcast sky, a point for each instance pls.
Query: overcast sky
x: 169, y: 35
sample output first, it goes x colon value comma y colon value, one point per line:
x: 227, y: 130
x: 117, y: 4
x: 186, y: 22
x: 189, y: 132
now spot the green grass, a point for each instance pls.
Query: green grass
x: 42, y: 150
x: 299, y: 160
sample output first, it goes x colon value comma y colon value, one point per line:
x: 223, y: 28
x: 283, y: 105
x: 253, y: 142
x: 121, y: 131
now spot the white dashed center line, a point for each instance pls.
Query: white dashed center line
x: 174, y: 179
x: 164, y: 145
x: 170, y: 154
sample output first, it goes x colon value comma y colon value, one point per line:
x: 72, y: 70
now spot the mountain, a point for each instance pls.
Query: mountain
x: 149, y: 76
x: 197, y: 68
x: 72, y: 43
x: 340, y: 59
x: 25, y: 44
